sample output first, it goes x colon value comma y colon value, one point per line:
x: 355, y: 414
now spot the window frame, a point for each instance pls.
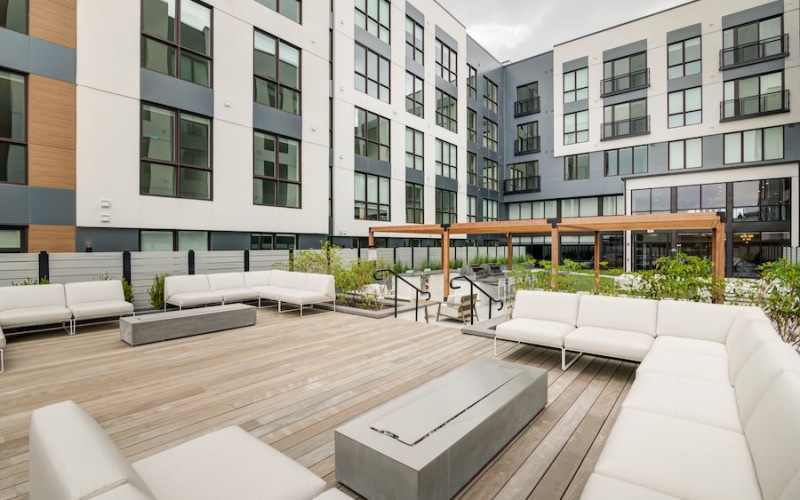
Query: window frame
x: 487, y: 204
x: 684, y: 62
x: 472, y: 125
x: 175, y: 234
x: 576, y: 133
x: 366, y: 201
x: 684, y: 112
x: 416, y: 136
x: 491, y: 137
x: 472, y: 208
x: 367, y: 80
x: 23, y: 143
x: 684, y: 154
x: 415, y: 204
x: 446, y: 105
x: 607, y: 154
x: 762, y: 141
x: 368, y: 16
x: 472, y: 168
x: 412, y: 101
x: 574, y: 91
x: 490, y: 95
x: 613, y: 79
x: 452, y: 215
x: 451, y: 166
x: 276, y: 178
x: 577, y: 167
x: 23, y: 239
x: 367, y: 141
x: 26, y: 29
x: 472, y: 83
x: 280, y: 11
x: 277, y: 81
x: 489, y: 179
x: 449, y: 72
x: 411, y: 41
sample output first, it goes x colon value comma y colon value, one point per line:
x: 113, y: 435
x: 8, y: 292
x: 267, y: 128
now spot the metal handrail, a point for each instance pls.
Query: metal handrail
x: 417, y: 291
x: 472, y: 286
x: 748, y: 53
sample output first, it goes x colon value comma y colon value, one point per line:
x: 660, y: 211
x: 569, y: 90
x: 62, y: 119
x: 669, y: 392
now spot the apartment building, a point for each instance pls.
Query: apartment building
x: 225, y: 125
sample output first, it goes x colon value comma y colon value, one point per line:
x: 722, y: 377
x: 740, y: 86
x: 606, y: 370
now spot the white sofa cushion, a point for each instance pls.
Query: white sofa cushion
x: 2, y: 339
x: 226, y: 281
x: 618, y: 313
x: 534, y: 331
x: 286, y: 279
x: 547, y: 306
x: 35, y: 316
x: 188, y: 299
x: 696, y: 320
x: 193, y: 283
x: 602, y: 487
x: 101, y: 309
x: 679, y: 457
x: 609, y: 342
x: 28, y: 296
x: 765, y: 365
x: 292, y: 296
x: 228, y: 463
x: 93, y: 291
x: 238, y: 294
x: 256, y: 278
x: 691, y: 345
x: 320, y: 283
x: 685, y: 364
x: 745, y: 341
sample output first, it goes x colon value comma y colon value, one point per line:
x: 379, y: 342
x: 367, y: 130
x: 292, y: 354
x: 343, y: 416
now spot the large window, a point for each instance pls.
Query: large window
x: 576, y: 85
x: 371, y: 197
x: 490, y: 95
x: 527, y: 102
x: 762, y: 201
x: 14, y: 16
x: 490, y: 135
x: 446, y: 159
x: 176, y: 39
x: 415, y: 41
x: 169, y: 241
x: 685, y: 107
x: 446, y: 62
x: 372, y: 73
x: 523, y: 177
x: 704, y: 198
x: 576, y: 127
x: 13, y: 128
x: 415, y: 95
x: 576, y: 167
x: 276, y: 170
x: 472, y: 125
x: 626, y: 161
x: 446, y: 111
x: 686, y: 154
x: 624, y: 119
x: 754, y: 145
x: 489, y: 210
x: 266, y: 241
x: 650, y: 201
x: 286, y: 8
x: 753, y: 42
x: 755, y: 95
x: 684, y: 58
x: 472, y: 83
x: 176, y: 154
x: 472, y: 169
x: 414, y: 149
x: 372, y: 137
x: 624, y: 74
x: 373, y: 16
x: 533, y: 210
x: 490, y: 168
x: 527, y: 140
x: 415, y: 203
x: 579, y: 207
x: 446, y: 207
x: 12, y: 240
x: 276, y: 65
x: 472, y: 208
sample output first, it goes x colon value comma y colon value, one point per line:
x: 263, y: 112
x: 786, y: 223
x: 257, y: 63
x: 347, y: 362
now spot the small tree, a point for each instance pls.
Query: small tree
x: 156, y: 291
x: 778, y: 295
x: 683, y: 277
x: 325, y: 260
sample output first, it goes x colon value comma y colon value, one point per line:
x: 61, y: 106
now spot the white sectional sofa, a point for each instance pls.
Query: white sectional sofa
x: 96, y: 299
x: 71, y: 457
x: 713, y: 411
x: 2, y: 347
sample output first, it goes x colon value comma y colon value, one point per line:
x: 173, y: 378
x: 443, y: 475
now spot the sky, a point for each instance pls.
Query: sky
x: 517, y: 29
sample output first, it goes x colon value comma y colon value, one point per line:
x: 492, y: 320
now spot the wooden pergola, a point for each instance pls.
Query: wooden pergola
x: 715, y: 223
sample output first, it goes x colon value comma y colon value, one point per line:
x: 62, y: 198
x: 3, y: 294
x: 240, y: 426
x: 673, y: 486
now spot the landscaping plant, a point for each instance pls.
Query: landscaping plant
x: 156, y: 291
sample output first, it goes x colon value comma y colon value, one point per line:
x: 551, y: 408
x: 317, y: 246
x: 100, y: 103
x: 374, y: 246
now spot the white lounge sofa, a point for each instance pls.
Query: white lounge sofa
x: 232, y: 286
x: 95, y: 300
x: 189, y: 291
x: 72, y: 457
x: 2, y: 347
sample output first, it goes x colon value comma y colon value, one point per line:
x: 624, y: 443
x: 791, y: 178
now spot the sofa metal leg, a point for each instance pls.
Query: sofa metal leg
x: 495, y: 347
x: 564, y: 364
x: 2, y: 366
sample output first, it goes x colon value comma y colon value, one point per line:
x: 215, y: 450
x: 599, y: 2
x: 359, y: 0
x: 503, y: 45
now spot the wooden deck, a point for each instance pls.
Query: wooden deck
x: 291, y: 381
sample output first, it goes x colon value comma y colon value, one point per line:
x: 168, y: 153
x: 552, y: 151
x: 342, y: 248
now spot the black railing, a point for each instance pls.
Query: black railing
x: 623, y: 83
x: 472, y: 287
x: 528, y: 184
x: 748, y: 53
x: 527, y: 106
x: 625, y: 128
x: 527, y: 145
x: 417, y: 291
x: 774, y: 102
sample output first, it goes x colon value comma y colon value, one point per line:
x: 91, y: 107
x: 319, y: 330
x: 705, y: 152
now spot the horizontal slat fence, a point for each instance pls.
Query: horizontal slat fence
x: 18, y: 267
x: 264, y: 260
x: 92, y: 266
x: 146, y: 265
x: 219, y: 262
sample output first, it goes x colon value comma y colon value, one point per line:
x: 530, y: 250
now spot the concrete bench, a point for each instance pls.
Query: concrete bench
x: 148, y: 328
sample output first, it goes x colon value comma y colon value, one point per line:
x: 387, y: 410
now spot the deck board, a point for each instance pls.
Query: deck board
x: 291, y: 381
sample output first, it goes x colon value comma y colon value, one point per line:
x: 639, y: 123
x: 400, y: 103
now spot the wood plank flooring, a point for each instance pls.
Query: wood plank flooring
x: 291, y: 381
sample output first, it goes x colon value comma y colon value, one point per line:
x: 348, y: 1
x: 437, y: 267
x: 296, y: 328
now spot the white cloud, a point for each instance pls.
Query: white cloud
x: 500, y: 38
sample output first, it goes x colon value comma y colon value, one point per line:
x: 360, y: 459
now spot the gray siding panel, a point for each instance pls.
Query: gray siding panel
x: 446, y: 183
x: 52, y: 206
x: 625, y: 50
x: 625, y: 97
x: 447, y: 39
x: 276, y: 121
x: 753, y: 69
x: 415, y: 176
x: 415, y: 14
x: 372, y: 166
x: 686, y: 82
x: 374, y: 44
x: 176, y: 93
x: 52, y: 61
x: 581, y: 62
x: 684, y: 33
x: 754, y: 14
x: 15, y: 54
x: 14, y: 203
x: 575, y: 106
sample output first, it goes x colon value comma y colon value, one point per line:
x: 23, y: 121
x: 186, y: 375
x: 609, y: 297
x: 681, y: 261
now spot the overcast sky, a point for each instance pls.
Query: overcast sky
x: 516, y: 29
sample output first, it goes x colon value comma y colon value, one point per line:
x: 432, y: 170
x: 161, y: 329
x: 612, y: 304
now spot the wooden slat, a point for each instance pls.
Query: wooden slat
x: 54, y: 21
x: 51, y: 238
x: 51, y: 133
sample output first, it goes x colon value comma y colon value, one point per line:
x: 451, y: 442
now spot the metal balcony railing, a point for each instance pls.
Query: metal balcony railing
x: 763, y: 104
x: 749, y: 53
x: 527, y: 145
x: 625, y: 83
x: 527, y: 107
x: 625, y: 128
x: 530, y: 184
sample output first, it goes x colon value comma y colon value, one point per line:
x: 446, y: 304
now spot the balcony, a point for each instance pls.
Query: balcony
x: 527, y: 145
x: 530, y: 184
x: 527, y: 107
x: 625, y: 83
x: 757, y: 105
x: 749, y: 53
x: 625, y: 128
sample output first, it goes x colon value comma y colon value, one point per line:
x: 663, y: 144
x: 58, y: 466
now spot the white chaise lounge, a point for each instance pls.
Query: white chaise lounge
x: 95, y: 300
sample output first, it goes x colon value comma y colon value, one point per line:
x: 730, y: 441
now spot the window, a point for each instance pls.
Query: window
x: 686, y: 154
x: 684, y: 58
x: 373, y: 17
x: 613, y: 205
x: 276, y: 65
x: 533, y: 210
x: 705, y: 198
x: 371, y: 197
x: 755, y: 95
x: 169, y: 241
x: 286, y: 8
x: 490, y: 95
x: 415, y: 41
x: 176, y: 39
x: 13, y: 128
x: 372, y: 135
x: 14, y: 16
x: 414, y: 149
x: 576, y: 127
x: 626, y: 161
x: 261, y: 241
x: 579, y: 207
x: 764, y: 200
x: 12, y: 240
x: 472, y: 208
x: 415, y: 95
x: 523, y: 177
x: 446, y: 211
x: 685, y: 107
x: 490, y: 135
x: 753, y: 42
x: 176, y: 154
x: 415, y: 203
x: 446, y: 159
x: 576, y: 85
x: 489, y: 210
x: 446, y: 62
x: 446, y: 111
x: 527, y: 102
x: 472, y: 125
x: 276, y: 170
x: 472, y: 83
x: 624, y: 74
x: 472, y: 169
x: 527, y: 139
x: 576, y: 167
x: 754, y: 145
x: 650, y: 201
x: 490, y: 174
x: 372, y: 74
x: 624, y: 119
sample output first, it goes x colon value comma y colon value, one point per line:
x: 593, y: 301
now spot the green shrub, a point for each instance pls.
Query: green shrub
x: 400, y: 267
x: 32, y: 281
x: 427, y: 264
x: 777, y: 293
x: 456, y: 263
x: 682, y: 277
x: 350, y: 283
x: 324, y: 260
x: 156, y: 291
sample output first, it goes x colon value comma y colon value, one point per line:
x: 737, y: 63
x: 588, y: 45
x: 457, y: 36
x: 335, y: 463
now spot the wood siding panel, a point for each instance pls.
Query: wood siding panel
x: 51, y: 238
x: 51, y: 133
x: 54, y: 21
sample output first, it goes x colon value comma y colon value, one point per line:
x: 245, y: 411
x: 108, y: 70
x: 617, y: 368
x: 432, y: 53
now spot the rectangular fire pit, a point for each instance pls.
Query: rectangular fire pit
x: 148, y: 328
x: 429, y: 442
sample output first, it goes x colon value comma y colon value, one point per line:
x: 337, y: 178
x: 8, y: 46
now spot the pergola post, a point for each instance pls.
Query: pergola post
x: 510, y: 252
x: 596, y: 261
x: 718, y: 261
x: 371, y: 238
x: 446, y: 259
x: 554, y: 251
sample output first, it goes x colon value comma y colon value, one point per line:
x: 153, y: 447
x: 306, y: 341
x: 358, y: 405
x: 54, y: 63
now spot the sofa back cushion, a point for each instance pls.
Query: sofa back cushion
x: 743, y: 341
x: 769, y: 360
x: 257, y: 278
x: 226, y: 281
x: 93, y: 291
x: 774, y: 438
x: 20, y: 297
x: 72, y: 457
x: 618, y: 313
x: 547, y: 306
x: 320, y: 283
x: 287, y: 279
x: 174, y: 285
x: 695, y: 320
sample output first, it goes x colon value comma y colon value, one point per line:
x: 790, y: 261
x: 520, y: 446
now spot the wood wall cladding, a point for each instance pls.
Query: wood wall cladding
x: 51, y: 238
x: 51, y: 133
x: 54, y: 21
